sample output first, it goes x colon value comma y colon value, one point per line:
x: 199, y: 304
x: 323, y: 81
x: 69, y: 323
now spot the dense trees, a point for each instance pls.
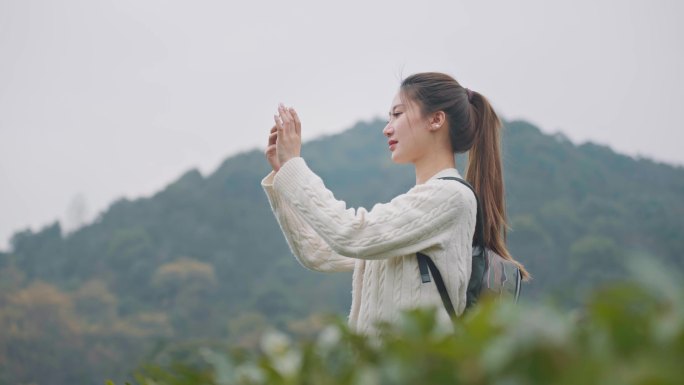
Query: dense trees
x: 204, y: 259
x: 627, y: 332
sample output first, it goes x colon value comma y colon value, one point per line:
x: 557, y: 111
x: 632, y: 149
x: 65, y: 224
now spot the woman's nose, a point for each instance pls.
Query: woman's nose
x: 387, y: 130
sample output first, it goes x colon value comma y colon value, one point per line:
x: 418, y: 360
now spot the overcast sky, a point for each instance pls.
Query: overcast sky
x: 104, y: 99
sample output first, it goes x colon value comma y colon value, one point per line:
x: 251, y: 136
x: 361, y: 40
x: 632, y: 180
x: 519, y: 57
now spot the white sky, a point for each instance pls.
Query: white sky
x: 102, y: 99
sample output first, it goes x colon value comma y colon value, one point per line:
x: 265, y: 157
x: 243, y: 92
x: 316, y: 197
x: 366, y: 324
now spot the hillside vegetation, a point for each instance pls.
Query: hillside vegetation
x: 204, y: 259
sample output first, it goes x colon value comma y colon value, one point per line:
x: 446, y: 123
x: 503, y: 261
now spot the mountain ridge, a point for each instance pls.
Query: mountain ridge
x: 203, y: 259
x: 356, y: 168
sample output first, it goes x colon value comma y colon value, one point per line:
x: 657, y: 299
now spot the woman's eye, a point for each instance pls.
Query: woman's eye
x: 396, y: 114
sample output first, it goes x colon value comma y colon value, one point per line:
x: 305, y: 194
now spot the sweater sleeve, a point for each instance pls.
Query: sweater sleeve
x: 411, y: 222
x: 306, y: 245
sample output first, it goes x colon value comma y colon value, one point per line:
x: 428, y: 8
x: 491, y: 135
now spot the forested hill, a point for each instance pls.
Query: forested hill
x: 204, y: 257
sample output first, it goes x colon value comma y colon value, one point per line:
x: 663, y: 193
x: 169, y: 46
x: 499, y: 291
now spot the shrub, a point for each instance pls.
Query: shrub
x: 627, y: 332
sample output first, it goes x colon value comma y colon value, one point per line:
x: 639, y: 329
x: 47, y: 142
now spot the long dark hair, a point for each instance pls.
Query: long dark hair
x: 473, y: 127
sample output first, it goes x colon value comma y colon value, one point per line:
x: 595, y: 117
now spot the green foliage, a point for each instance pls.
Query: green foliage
x: 46, y: 339
x: 204, y: 259
x: 627, y: 332
x: 184, y: 286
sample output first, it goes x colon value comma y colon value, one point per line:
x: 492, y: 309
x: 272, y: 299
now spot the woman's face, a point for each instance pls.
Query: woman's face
x: 406, y: 131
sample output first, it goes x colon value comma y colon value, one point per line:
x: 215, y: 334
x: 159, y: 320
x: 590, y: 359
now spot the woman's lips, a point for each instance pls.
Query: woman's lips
x: 392, y: 144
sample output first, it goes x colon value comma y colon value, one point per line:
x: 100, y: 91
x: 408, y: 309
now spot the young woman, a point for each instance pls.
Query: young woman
x: 431, y: 118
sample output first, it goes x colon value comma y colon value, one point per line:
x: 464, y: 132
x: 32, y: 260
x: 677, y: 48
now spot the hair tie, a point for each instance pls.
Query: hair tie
x: 470, y: 95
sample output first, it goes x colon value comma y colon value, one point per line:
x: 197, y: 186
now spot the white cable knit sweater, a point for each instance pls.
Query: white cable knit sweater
x: 436, y: 217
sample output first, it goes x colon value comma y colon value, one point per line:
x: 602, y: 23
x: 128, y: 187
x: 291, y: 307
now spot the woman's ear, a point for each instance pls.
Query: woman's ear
x: 437, y: 121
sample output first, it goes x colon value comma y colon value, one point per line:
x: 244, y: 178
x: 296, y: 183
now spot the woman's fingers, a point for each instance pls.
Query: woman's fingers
x: 280, y: 115
x: 278, y: 122
x: 273, y: 135
x: 288, y: 141
x: 297, y: 123
x: 288, y: 122
x: 287, y: 119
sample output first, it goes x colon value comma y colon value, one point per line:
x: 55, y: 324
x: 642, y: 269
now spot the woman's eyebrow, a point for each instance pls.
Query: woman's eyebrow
x: 398, y: 105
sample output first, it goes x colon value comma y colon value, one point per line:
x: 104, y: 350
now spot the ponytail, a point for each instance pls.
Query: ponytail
x: 473, y: 127
x: 484, y: 173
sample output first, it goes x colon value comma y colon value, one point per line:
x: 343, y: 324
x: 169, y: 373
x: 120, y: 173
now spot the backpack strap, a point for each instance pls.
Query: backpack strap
x: 479, y: 262
x: 478, y: 240
x: 425, y: 262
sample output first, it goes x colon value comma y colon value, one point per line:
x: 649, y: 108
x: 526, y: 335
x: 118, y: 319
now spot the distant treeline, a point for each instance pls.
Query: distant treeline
x: 204, y: 259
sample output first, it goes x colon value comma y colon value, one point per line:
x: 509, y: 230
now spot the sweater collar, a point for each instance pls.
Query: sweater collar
x: 446, y: 172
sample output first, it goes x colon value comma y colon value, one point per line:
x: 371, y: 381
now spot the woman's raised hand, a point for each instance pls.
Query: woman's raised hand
x: 285, y: 139
x: 271, y: 154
